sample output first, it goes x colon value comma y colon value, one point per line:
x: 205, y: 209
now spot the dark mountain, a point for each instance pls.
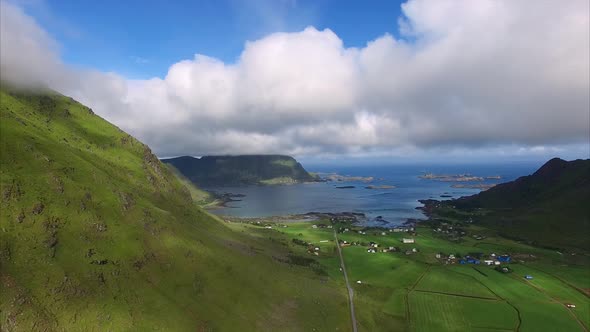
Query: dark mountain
x: 241, y: 170
x: 550, y: 207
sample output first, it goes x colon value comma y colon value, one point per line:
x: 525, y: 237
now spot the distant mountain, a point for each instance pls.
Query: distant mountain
x: 551, y: 207
x: 96, y: 234
x: 241, y: 170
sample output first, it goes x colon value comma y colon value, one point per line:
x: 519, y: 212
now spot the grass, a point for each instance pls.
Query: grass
x: 201, y: 197
x: 438, y: 312
x: 417, y: 292
x: 448, y: 281
x: 97, y: 234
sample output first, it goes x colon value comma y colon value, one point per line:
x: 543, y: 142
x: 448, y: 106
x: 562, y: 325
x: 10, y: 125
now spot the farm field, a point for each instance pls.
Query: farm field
x: 396, y: 291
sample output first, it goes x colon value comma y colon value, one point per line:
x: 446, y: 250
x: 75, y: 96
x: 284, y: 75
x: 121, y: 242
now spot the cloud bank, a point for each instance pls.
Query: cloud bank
x: 463, y: 73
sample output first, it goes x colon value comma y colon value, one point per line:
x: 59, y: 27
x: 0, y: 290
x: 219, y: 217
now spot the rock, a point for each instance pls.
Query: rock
x: 38, y: 208
x: 21, y: 216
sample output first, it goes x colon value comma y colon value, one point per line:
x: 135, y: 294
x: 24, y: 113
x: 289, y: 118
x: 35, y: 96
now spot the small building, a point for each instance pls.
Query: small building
x: 323, y: 241
x: 570, y: 305
x: 497, y: 263
x: 408, y: 240
x: 371, y: 250
x: 504, y: 258
x: 528, y: 277
x: 359, y: 282
x: 489, y: 262
x: 314, y: 226
x: 383, y: 233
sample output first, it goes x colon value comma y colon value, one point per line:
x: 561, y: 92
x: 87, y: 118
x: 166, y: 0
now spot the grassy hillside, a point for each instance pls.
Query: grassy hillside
x: 240, y: 170
x: 549, y: 208
x: 199, y: 196
x: 96, y: 234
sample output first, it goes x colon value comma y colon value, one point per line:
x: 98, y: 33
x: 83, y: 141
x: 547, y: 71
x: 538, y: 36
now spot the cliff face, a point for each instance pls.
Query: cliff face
x: 549, y: 207
x: 241, y: 170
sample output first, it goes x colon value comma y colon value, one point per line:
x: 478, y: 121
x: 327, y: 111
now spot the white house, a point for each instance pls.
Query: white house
x: 488, y: 262
x: 406, y: 240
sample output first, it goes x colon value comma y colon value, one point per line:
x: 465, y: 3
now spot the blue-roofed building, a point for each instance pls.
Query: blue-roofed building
x: 504, y: 258
x: 528, y: 277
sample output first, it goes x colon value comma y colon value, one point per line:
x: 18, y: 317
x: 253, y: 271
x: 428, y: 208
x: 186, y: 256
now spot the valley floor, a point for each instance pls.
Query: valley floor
x: 409, y: 289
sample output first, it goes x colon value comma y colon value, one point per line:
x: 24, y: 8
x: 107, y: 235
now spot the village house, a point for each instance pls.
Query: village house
x: 488, y: 262
x: 504, y: 258
x: 408, y: 240
x: 314, y: 226
x: 371, y: 250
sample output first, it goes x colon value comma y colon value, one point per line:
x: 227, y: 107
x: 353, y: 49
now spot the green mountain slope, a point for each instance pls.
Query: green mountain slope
x: 549, y: 207
x: 240, y: 170
x: 96, y: 234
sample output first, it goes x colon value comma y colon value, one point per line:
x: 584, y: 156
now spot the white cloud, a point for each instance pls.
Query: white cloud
x: 467, y: 73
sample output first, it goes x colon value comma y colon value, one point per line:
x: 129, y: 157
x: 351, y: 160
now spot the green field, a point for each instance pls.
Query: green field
x: 417, y: 292
x: 443, y: 280
x: 438, y: 312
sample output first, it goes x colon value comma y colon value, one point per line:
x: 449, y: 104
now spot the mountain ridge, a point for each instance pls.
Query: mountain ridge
x: 548, y: 207
x: 241, y: 170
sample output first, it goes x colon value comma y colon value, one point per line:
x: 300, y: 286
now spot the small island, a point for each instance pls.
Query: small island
x: 384, y: 186
x: 337, y: 177
x: 451, y: 178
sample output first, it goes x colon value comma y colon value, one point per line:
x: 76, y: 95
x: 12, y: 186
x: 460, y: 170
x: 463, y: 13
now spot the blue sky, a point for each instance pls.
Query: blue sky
x: 141, y: 39
x: 321, y: 80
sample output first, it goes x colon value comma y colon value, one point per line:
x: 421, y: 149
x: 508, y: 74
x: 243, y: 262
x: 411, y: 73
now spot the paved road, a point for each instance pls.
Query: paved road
x: 350, y: 293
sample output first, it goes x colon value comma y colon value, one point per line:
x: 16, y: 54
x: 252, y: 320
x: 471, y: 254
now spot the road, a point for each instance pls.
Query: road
x: 350, y: 292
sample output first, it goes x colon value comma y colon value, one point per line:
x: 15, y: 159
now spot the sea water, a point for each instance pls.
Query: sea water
x: 394, y: 206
